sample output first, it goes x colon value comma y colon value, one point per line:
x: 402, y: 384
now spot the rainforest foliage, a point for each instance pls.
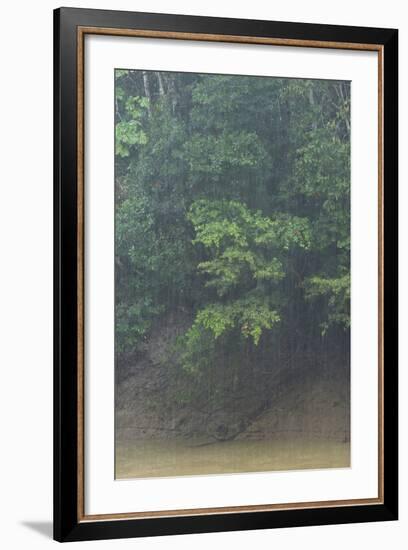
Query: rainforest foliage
x: 232, y: 199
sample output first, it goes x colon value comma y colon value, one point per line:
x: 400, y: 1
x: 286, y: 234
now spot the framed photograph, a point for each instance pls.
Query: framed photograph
x: 225, y: 274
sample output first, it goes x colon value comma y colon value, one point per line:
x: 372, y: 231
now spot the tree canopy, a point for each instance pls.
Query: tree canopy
x: 232, y: 212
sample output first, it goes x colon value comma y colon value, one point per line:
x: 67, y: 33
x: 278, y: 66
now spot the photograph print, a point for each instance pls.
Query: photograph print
x: 232, y: 274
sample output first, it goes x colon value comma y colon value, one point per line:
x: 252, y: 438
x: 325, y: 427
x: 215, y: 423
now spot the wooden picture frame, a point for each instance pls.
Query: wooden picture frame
x: 71, y: 520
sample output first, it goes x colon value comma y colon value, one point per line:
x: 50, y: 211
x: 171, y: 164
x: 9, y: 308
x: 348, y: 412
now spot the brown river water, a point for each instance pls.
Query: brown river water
x: 155, y: 458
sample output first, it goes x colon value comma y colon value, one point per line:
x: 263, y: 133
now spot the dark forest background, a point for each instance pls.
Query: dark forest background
x: 232, y: 244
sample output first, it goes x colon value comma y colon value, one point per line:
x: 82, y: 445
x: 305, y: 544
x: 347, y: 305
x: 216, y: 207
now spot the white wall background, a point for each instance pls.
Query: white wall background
x: 26, y: 272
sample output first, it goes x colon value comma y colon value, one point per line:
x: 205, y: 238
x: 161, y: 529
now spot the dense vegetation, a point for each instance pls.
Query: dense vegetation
x: 232, y: 223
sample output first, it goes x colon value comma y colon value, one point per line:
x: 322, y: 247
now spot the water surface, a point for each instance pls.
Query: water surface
x: 155, y: 458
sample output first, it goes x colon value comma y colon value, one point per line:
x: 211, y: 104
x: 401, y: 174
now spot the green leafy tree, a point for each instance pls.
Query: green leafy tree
x: 232, y: 220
